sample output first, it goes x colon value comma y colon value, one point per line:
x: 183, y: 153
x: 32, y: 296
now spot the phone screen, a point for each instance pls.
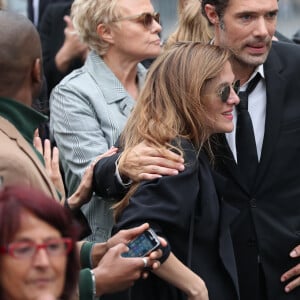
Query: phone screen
x: 142, y: 245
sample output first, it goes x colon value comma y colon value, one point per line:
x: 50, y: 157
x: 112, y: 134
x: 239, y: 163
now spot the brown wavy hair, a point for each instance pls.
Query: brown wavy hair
x: 171, y: 103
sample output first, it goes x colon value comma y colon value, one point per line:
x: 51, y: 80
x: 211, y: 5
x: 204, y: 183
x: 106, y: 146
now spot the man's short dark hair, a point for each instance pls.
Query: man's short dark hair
x: 220, y: 6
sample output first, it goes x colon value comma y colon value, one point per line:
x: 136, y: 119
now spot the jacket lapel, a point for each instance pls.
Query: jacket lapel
x: 275, y: 86
x: 13, y: 133
x: 110, y: 86
x: 225, y: 162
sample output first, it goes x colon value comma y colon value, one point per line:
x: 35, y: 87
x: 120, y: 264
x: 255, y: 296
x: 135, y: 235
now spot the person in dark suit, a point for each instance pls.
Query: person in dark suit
x: 266, y: 233
x: 179, y: 207
x: 36, y: 9
x: 62, y: 50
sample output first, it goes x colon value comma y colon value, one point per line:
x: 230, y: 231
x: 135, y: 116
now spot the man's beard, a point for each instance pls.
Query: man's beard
x: 247, y: 60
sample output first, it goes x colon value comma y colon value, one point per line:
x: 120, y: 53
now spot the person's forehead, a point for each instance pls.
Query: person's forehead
x: 32, y: 227
x: 135, y: 6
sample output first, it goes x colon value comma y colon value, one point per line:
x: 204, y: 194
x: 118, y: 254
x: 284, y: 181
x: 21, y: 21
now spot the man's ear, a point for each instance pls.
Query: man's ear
x: 36, y: 78
x: 36, y: 73
x: 105, y: 33
x: 211, y: 14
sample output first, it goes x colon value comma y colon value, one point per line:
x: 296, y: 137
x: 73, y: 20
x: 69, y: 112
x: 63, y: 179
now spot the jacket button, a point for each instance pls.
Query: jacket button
x: 253, y: 202
x: 251, y: 242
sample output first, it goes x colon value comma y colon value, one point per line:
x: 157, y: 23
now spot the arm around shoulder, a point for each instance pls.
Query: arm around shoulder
x: 105, y: 181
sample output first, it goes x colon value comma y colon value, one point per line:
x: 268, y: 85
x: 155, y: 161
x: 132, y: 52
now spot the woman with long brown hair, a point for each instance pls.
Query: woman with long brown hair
x: 188, y: 96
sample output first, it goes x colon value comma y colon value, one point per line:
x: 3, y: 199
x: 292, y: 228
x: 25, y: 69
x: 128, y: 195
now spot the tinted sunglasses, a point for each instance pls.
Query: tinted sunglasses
x: 145, y: 18
x: 224, y: 93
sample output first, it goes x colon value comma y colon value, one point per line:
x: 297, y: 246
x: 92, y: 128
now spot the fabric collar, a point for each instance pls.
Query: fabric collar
x: 260, y: 70
x: 24, y: 118
x: 111, y: 87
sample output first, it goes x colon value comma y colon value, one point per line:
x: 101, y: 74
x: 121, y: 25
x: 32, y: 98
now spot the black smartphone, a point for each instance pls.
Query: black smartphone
x: 143, y: 244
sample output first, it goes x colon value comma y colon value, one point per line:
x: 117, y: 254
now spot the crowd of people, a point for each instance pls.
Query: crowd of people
x: 96, y: 147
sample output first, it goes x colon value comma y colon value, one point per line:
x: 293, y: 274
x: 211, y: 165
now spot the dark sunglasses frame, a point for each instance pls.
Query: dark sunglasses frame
x: 145, y: 18
x: 224, y: 93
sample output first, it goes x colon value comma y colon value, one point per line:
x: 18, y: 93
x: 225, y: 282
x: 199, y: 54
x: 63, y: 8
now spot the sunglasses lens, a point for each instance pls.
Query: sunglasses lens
x: 236, y: 87
x: 148, y: 19
x: 225, y: 93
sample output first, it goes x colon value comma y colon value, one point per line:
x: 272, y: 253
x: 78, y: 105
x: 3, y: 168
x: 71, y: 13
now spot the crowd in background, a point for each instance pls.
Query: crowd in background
x: 288, y: 17
x: 120, y: 122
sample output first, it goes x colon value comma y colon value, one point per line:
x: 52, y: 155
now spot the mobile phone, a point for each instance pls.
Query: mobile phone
x: 143, y: 244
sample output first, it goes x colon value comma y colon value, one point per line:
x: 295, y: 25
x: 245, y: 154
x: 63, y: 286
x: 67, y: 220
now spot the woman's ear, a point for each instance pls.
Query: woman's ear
x: 105, y: 33
x: 211, y: 14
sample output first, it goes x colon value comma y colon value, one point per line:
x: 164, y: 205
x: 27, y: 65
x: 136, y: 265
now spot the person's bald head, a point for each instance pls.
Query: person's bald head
x: 20, y: 58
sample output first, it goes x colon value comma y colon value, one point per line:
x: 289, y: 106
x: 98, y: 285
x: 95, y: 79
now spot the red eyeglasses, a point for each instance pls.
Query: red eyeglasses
x: 25, y: 250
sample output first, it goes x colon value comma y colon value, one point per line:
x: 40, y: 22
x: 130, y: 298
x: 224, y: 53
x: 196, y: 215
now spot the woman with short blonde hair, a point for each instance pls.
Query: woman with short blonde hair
x: 90, y: 106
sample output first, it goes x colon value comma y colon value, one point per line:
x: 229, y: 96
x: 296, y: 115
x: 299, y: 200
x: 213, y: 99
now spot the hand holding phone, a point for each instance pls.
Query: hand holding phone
x: 143, y: 244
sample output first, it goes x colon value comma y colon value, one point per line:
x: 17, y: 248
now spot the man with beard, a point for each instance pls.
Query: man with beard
x: 266, y: 233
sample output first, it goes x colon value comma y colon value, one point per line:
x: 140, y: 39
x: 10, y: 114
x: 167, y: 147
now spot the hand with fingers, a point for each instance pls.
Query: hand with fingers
x: 144, y: 162
x: 84, y: 192
x: 293, y: 274
x: 51, y: 159
x: 125, y: 236
x: 71, y: 48
x: 115, y: 273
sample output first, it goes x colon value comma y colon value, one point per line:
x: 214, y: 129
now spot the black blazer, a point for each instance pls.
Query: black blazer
x: 42, y: 7
x: 268, y: 226
x: 52, y: 37
x: 168, y: 204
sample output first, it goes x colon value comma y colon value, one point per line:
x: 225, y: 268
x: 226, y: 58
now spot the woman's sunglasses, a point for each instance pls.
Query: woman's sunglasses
x: 224, y: 93
x: 145, y: 18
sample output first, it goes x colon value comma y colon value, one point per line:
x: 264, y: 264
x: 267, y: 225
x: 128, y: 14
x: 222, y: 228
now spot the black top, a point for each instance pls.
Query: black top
x: 168, y: 204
